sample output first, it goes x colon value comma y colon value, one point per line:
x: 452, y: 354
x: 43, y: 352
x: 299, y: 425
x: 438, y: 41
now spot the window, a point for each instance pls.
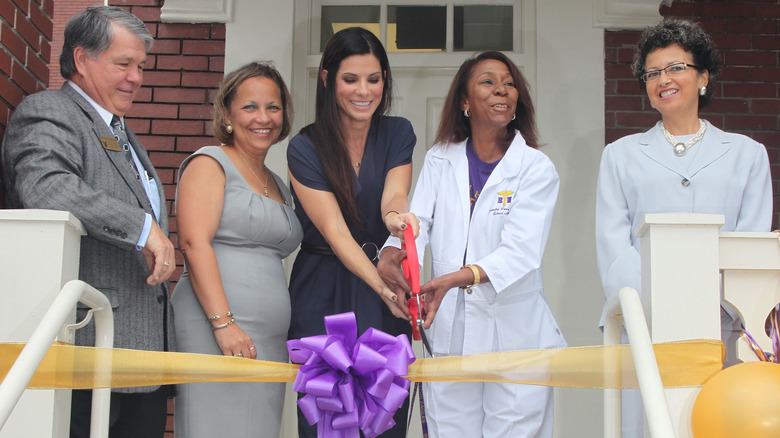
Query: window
x: 425, y: 28
x: 482, y: 27
x: 335, y: 18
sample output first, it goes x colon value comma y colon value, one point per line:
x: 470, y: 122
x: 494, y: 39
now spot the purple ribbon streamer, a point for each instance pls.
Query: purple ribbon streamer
x: 351, y: 383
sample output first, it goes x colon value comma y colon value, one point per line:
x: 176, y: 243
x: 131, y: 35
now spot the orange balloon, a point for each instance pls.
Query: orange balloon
x: 740, y: 401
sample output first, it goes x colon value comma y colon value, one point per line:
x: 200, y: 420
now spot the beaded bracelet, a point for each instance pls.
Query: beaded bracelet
x: 216, y: 317
x: 217, y: 327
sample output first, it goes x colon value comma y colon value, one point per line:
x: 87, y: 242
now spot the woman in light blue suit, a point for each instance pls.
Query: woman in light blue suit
x: 683, y: 164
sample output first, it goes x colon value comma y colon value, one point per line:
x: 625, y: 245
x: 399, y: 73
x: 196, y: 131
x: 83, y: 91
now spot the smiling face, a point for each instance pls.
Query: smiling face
x: 256, y: 115
x: 491, y: 96
x: 114, y: 77
x: 676, y: 95
x: 359, y: 87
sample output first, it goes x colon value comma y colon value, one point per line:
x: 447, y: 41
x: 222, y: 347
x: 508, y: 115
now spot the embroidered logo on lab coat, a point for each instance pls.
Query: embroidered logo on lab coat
x: 505, y: 197
x: 503, y: 203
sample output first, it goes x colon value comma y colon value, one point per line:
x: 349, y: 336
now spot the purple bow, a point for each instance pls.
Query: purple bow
x: 351, y: 384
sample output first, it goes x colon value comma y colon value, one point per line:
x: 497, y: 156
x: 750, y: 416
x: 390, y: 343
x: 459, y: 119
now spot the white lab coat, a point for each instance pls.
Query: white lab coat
x: 506, y: 236
x: 640, y: 174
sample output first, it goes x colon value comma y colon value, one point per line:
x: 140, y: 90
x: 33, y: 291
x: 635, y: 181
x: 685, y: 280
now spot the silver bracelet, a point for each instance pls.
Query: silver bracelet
x: 216, y: 317
x: 217, y: 327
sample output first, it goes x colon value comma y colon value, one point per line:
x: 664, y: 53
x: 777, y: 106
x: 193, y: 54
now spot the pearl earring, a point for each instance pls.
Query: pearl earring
x: 703, y: 90
x: 229, y: 128
x: 466, y: 113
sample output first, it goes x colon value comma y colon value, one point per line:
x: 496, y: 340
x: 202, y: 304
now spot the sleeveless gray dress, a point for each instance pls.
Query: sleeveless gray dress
x: 255, y: 233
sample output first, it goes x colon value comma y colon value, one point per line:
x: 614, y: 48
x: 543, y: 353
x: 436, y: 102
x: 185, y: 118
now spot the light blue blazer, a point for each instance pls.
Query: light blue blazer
x: 640, y: 174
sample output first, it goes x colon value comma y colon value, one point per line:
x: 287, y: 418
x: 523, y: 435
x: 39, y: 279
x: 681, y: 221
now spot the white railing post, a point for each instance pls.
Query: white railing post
x: 680, y: 289
x: 39, y: 254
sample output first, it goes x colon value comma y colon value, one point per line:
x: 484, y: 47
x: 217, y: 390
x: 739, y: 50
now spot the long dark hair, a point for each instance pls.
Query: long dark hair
x: 454, y: 126
x: 326, y: 132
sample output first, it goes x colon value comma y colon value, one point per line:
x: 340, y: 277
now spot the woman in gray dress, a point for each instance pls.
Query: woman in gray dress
x: 235, y: 226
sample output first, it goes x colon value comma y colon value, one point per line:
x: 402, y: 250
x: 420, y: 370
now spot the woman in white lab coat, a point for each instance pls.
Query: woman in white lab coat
x: 485, y: 200
x: 682, y: 165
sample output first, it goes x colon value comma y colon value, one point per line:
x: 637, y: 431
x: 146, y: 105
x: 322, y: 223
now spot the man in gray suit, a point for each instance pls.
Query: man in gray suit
x: 69, y: 149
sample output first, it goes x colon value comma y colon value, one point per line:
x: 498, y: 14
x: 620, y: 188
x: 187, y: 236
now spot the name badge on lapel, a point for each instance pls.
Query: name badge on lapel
x: 110, y: 143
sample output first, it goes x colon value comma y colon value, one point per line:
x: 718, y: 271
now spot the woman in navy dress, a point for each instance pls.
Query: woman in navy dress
x: 351, y: 172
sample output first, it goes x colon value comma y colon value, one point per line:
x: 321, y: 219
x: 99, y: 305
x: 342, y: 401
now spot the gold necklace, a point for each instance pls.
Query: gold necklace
x: 267, y: 173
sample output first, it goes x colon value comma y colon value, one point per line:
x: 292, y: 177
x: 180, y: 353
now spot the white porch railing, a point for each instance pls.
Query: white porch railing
x: 32, y: 355
x: 684, y: 258
x: 625, y: 308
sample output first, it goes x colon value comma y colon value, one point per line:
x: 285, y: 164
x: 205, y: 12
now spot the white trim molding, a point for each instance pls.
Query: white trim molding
x: 197, y: 11
x: 627, y: 14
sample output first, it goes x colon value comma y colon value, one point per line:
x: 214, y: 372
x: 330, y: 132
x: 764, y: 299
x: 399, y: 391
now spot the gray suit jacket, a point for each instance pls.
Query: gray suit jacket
x: 53, y: 158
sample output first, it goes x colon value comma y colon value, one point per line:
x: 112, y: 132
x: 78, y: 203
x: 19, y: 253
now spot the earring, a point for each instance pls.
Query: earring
x: 229, y: 128
x: 513, y: 116
x: 703, y: 90
x: 466, y: 113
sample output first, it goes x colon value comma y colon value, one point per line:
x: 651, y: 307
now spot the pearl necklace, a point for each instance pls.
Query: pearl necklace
x: 267, y: 173
x: 681, y: 148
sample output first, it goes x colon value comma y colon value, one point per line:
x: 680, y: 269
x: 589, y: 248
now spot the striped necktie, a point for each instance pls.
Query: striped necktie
x: 121, y: 135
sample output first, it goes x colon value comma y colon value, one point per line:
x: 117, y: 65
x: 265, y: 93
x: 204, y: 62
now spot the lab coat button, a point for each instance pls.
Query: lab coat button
x: 685, y: 182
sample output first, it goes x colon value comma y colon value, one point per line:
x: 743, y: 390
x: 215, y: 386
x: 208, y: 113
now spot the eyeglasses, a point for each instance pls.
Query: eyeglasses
x: 672, y: 70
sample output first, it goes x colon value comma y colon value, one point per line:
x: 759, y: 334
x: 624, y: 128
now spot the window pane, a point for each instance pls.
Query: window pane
x: 416, y: 28
x: 483, y: 27
x: 335, y: 18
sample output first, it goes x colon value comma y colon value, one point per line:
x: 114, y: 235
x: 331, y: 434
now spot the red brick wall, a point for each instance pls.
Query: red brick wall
x: 747, y: 94
x: 25, y: 50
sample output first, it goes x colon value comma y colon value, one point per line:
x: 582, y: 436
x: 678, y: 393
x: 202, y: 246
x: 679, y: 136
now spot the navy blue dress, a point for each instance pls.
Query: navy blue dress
x: 320, y: 284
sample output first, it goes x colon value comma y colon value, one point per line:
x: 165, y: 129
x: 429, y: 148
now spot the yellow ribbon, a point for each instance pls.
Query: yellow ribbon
x: 687, y: 363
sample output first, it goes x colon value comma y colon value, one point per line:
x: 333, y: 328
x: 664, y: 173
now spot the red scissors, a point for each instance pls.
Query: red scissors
x: 411, y: 268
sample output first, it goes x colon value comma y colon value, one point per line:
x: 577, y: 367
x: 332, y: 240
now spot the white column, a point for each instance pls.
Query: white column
x: 39, y: 254
x: 681, y: 289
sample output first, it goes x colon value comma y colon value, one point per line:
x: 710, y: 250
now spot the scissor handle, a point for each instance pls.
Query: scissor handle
x: 411, y: 267
x: 412, y: 261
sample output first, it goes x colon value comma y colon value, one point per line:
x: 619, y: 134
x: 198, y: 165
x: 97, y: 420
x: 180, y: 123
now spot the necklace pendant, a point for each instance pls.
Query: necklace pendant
x: 357, y: 164
x: 266, y: 191
x: 680, y: 149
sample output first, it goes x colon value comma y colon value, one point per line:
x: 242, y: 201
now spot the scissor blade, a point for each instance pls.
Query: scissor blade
x: 425, y: 342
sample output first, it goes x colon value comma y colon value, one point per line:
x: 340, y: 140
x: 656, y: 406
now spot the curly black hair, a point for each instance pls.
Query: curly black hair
x: 686, y: 34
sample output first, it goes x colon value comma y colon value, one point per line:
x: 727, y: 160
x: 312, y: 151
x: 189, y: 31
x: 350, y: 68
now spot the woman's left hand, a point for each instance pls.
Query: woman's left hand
x: 396, y: 223
x: 433, y: 293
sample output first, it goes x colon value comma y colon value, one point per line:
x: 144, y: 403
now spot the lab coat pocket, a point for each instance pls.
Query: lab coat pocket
x: 524, y: 322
